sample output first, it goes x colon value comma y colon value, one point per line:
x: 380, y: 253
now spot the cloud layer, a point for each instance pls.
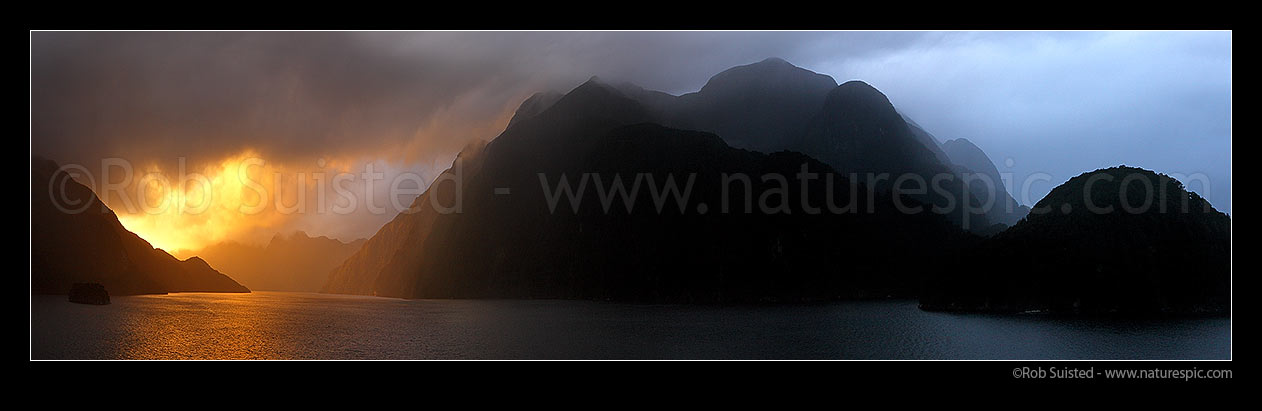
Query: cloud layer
x: 1055, y: 103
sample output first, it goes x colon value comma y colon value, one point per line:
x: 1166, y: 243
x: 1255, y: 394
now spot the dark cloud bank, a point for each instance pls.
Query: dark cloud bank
x: 1054, y: 103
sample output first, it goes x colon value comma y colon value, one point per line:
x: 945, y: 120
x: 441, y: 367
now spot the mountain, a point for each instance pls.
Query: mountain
x: 971, y: 159
x: 926, y: 139
x: 296, y: 262
x: 1121, y: 239
x: 758, y: 106
x: 859, y: 131
x: 773, y: 105
x: 968, y: 161
x: 75, y: 238
x: 548, y: 210
x: 534, y: 105
x: 517, y: 235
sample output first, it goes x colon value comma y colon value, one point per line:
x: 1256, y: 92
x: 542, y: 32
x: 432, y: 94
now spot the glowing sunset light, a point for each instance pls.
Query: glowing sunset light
x: 248, y: 198
x: 203, y: 207
x: 1050, y: 204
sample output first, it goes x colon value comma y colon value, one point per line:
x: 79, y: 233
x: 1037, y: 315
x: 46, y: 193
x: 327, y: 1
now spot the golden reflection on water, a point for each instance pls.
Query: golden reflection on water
x: 258, y: 325
x: 267, y: 325
x: 184, y: 326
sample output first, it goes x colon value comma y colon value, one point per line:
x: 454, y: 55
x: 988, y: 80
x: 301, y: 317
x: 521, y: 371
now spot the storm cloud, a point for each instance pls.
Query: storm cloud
x: 1055, y: 104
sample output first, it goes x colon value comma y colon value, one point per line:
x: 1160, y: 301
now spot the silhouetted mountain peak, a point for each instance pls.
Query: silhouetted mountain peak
x: 592, y: 89
x: 770, y: 73
x: 1120, y: 239
x: 774, y: 60
x: 197, y: 262
x: 926, y: 139
x: 757, y: 106
x: 282, y: 238
x: 857, y: 91
x: 963, y: 152
x: 963, y: 142
x: 595, y: 98
x: 299, y: 237
x: 534, y: 105
x: 296, y: 235
x: 969, y: 160
x: 912, y: 123
x: 1125, y: 191
x: 594, y: 85
x: 857, y: 108
x: 90, y: 245
x: 865, y: 111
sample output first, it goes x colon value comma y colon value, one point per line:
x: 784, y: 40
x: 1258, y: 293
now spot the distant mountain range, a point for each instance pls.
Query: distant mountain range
x: 969, y: 161
x: 93, y: 247
x: 773, y: 105
x: 514, y: 246
x: 765, y: 118
x: 615, y: 192
x: 297, y: 262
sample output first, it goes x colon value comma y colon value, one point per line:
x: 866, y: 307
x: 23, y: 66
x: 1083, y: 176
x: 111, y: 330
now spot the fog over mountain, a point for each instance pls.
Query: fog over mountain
x: 611, y: 244
x: 411, y: 101
x: 635, y: 195
x: 294, y: 262
x: 707, y: 246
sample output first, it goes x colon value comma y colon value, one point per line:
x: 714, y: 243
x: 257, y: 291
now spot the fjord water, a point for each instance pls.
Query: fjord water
x: 275, y: 325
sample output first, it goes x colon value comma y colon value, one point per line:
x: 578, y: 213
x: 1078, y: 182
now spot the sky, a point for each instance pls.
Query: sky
x: 1045, y: 106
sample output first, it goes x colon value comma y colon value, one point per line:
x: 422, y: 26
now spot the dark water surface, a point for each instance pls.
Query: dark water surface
x: 273, y: 325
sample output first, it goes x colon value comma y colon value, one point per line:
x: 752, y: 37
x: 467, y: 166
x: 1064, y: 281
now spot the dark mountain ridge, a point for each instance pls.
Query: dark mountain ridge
x: 85, y: 243
x: 296, y: 262
x: 518, y: 246
x: 757, y: 106
x: 971, y: 160
x: 532, y: 244
x: 1093, y: 246
x: 773, y: 105
x: 926, y: 139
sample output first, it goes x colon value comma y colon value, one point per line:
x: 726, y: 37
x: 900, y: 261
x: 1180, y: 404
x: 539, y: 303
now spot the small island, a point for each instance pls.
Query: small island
x: 89, y: 293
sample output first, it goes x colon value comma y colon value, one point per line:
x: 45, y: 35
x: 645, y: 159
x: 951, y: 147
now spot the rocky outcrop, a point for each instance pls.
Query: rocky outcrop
x: 89, y: 293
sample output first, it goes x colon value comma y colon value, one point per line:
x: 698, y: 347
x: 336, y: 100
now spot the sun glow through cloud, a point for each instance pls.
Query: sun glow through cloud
x: 247, y: 198
x: 220, y: 202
